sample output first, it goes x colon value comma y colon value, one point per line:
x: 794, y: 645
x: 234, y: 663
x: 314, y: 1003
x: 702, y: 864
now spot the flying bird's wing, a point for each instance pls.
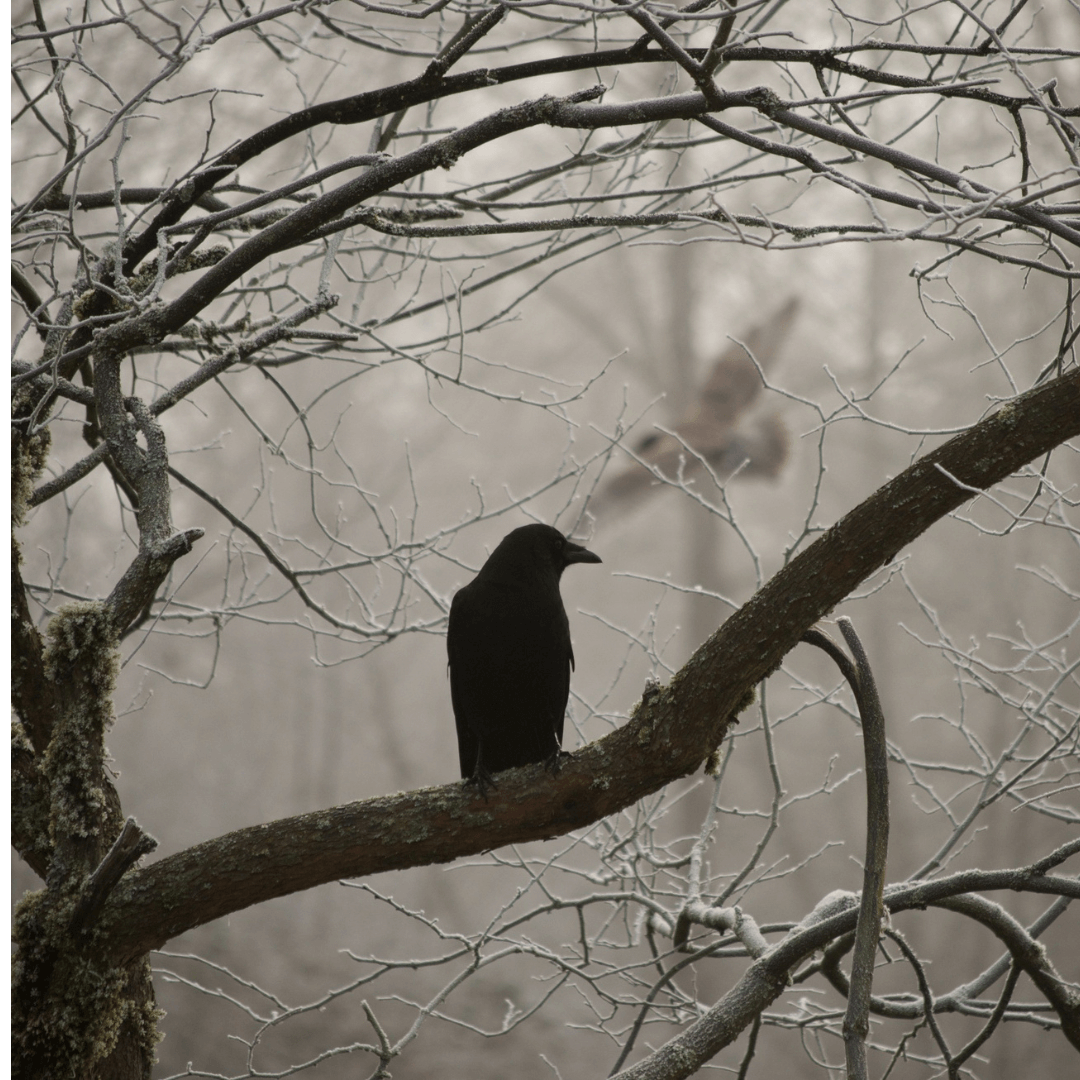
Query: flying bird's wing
x: 717, y: 427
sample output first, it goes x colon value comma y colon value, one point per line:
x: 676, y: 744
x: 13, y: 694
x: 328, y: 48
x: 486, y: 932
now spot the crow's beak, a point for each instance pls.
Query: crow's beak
x: 576, y: 553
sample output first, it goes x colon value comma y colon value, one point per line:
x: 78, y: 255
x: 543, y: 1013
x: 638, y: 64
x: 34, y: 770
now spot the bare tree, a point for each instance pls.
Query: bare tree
x: 211, y: 279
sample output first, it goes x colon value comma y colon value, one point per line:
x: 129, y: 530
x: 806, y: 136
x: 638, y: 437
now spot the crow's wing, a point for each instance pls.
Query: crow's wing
x: 510, y: 658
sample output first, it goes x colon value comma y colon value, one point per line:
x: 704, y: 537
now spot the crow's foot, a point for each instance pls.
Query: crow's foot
x: 554, y: 762
x: 483, y: 780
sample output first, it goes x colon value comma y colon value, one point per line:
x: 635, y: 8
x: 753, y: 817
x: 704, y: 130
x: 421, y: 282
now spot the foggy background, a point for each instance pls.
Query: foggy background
x: 272, y: 714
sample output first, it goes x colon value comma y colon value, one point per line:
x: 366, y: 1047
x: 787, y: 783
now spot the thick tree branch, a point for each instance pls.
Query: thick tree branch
x: 143, y: 578
x: 668, y: 736
x: 127, y: 849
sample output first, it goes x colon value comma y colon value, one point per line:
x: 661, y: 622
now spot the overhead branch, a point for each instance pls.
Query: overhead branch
x: 368, y: 106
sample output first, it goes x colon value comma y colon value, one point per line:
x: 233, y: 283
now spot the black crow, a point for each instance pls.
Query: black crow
x: 510, y: 655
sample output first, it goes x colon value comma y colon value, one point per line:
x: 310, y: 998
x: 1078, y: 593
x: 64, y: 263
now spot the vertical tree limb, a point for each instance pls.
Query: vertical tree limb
x: 868, y: 929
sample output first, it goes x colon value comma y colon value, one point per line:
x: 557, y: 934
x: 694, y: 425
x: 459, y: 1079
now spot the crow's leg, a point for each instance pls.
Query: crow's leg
x: 480, y: 775
x: 554, y: 761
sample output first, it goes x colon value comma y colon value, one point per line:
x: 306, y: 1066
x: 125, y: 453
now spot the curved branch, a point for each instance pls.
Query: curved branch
x: 861, y: 678
x: 1027, y: 954
x: 766, y: 979
x: 958, y: 999
x: 668, y: 737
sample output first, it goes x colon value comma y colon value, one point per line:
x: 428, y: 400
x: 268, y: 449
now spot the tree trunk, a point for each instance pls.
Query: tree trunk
x: 75, y: 1013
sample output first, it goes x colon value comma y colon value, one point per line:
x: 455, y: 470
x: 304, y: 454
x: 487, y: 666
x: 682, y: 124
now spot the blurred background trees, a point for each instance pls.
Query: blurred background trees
x: 378, y: 283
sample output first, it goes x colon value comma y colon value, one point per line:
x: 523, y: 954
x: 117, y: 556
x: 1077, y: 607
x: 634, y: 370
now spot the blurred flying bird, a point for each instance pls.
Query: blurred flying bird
x: 510, y: 656
x: 714, y: 428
